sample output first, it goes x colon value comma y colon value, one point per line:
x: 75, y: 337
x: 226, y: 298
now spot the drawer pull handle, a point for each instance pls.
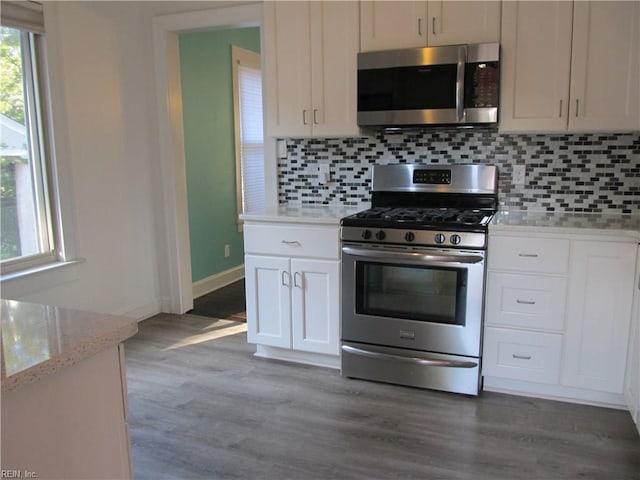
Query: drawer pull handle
x: 522, y: 357
x: 526, y: 302
x: 528, y: 255
x: 292, y: 243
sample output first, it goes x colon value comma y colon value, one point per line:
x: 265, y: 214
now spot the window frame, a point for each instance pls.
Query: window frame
x: 52, y: 172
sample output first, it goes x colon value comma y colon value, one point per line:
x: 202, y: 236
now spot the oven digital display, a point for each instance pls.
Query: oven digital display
x: 432, y: 177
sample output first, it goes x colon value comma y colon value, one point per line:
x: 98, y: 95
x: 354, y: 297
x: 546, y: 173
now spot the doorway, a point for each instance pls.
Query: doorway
x: 208, y: 72
x: 177, y: 286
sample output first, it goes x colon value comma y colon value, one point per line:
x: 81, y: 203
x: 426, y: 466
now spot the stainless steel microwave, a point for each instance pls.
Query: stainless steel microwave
x: 450, y: 85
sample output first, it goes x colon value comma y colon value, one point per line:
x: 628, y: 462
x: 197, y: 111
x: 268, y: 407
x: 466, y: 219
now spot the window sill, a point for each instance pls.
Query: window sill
x: 17, y: 284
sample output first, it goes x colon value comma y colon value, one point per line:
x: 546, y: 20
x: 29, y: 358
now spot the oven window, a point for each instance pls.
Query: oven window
x: 429, y: 294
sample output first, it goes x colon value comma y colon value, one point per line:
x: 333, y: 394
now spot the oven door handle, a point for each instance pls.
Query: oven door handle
x: 413, y: 360
x: 413, y: 256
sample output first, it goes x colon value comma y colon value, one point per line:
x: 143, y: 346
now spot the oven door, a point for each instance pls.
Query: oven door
x: 424, y: 299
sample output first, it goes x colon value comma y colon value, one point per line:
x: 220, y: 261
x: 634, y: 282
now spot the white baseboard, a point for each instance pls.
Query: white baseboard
x: 140, y: 312
x: 217, y: 281
x: 554, y: 392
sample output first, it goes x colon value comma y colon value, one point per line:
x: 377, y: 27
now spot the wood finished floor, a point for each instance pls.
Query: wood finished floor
x: 202, y: 407
x: 226, y: 303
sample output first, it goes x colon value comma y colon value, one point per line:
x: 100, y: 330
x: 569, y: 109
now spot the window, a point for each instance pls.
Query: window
x: 247, y: 99
x: 28, y: 236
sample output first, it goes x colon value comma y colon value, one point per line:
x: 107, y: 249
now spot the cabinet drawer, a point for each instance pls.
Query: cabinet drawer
x: 529, y: 301
x: 522, y: 355
x: 292, y: 241
x: 539, y: 255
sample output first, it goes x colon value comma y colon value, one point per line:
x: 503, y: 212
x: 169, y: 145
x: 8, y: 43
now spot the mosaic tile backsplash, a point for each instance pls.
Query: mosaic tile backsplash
x: 595, y: 173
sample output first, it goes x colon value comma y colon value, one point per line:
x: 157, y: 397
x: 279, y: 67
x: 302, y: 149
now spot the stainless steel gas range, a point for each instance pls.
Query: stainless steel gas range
x: 413, y: 271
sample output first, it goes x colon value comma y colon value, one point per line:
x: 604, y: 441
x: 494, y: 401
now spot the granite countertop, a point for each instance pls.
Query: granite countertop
x: 577, y: 223
x: 322, y: 214
x: 38, y: 340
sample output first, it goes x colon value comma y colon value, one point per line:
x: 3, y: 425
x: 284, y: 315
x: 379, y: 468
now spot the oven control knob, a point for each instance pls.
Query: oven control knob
x: 366, y: 234
x: 455, y: 239
x: 439, y: 238
x: 380, y: 235
x: 409, y: 236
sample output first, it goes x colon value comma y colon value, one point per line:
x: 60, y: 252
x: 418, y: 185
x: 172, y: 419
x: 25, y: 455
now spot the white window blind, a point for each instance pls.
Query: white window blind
x: 249, y: 130
x: 251, y: 140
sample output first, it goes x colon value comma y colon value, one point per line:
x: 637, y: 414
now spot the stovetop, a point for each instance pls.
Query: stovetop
x: 421, y: 218
x: 416, y: 226
x: 427, y: 205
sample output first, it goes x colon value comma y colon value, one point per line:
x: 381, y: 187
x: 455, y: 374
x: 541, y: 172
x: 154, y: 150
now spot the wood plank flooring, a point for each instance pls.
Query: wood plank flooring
x: 202, y: 407
x: 225, y: 303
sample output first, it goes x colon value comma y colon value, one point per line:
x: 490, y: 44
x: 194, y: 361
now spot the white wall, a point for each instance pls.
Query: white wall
x: 105, y: 119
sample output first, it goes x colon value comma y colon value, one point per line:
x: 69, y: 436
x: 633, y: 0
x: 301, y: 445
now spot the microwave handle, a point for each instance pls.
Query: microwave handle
x: 462, y: 60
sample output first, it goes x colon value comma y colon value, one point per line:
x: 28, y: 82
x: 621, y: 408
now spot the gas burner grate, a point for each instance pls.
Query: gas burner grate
x: 425, y: 216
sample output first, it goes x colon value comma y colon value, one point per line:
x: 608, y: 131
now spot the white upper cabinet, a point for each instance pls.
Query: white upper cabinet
x: 605, y: 70
x: 451, y: 23
x: 387, y: 25
x: 569, y: 66
x: 310, y: 52
x: 287, y: 68
x: 535, y: 53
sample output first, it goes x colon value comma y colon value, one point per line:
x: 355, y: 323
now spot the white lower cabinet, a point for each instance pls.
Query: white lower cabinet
x: 632, y: 382
x: 558, y: 315
x: 599, y: 315
x: 292, y: 299
x: 72, y: 423
x: 268, y: 283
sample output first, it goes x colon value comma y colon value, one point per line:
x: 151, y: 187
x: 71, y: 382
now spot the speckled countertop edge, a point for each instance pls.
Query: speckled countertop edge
x: 609, y: 225
x: 80, y: 350
x: 291, y: 213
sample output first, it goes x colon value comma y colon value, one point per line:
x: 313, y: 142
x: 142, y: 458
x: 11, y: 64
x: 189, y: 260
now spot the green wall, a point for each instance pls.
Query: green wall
x: 207, y: 98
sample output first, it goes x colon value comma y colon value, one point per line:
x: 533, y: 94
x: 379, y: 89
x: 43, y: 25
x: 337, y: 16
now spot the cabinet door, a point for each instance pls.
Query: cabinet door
x: 316, y: 299
x: 287, y: 68
x: 451, y: 23
x: 632, y: 383
x: 605, y: 67
x: 387, y: 25
x: 268, y: 294
x: 601, y: 280
x: 334, y: 50
x: 535, y: 64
